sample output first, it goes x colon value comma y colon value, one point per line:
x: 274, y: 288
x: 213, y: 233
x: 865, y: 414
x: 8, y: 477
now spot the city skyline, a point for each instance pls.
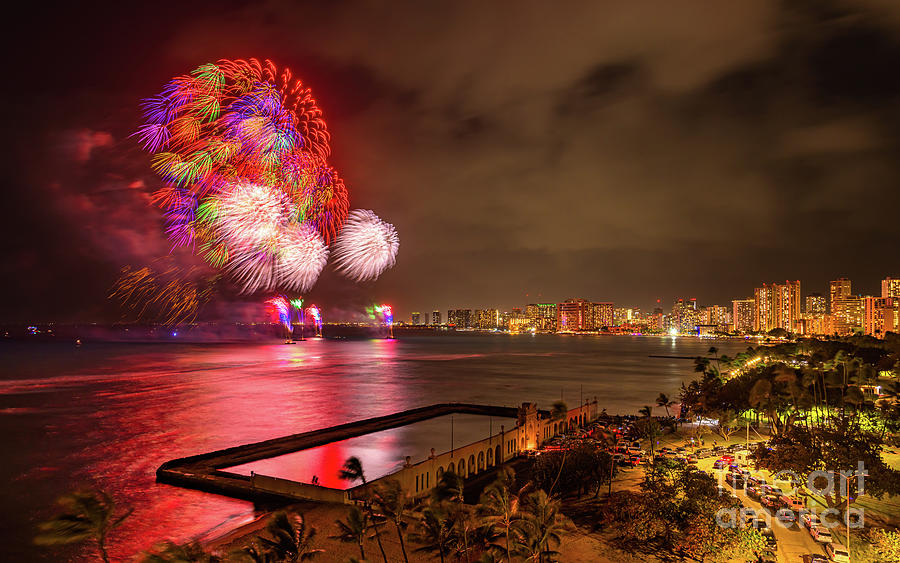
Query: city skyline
x: 628, y: 158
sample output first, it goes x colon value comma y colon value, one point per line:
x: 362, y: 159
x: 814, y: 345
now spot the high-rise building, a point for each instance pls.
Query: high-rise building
x: 436, y: 318
x: 718, y: 316
x: 776, y: 306
x: 848, y: 314
x: 685, y: 316
x: 602, y: 316
x: 815, y: 304
x: 838, y: 289
x: 881, y: 315
x: 459, y: 318
x: 742, y: 315
x: 574, y: 315
x: 542, y: 316
x: 890, y: 287
x: 416, y: 318
x: 487, y: 319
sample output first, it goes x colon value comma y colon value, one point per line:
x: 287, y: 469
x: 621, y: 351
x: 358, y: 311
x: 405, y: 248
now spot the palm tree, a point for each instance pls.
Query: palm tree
x: 559, y: 411
x: 450, y: 489
x: 499, y: 507
x: 393, y: 503
x: 85, y: 515
x: 170, y: 552
x: 252, y: 553
x: 435, y: 532
x: 542, y: 526
x: 646, y: 410
x: 290, y: 541
x: 664, y: 401
x: 354, y: 529
x: 713, y: 351
x: 353, y: 471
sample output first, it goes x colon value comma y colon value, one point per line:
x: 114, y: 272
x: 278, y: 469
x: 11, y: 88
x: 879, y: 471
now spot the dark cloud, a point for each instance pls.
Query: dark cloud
x: 615, y: 151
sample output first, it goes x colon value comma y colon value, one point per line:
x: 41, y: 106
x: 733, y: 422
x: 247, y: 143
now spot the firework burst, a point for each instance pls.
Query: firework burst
x: 366, y: 247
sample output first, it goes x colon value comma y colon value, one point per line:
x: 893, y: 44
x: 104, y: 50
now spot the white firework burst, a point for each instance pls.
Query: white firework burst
x: 365, y: 247
x: 300, y: 256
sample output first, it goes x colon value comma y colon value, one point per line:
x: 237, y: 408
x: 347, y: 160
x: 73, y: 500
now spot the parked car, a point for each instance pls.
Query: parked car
x: 772, y: 490
x: 792, y: 503
x: 770, y: 501
x: 786, y: 515
x: 810, y: 520
x: 736, y: 481
x: 719, y: 464
x: 753, y: 493
x: 757, y: 480
x: 837, y: 553
x: 821, y: 534
x: 769, y: 536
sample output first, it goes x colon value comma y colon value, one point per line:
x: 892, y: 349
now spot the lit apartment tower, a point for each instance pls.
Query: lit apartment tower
x: 815, y: 304
x: 542, y: 316
x: 685, y: 316
x: 460, y: 318
x: 764, y: 308
x: 574, y: 315
x: 880, y: 315
x: 416, y: 317
x: 436, y: 318
x: 487, y: 319
x: 603, y: 315
x: 716, y: 315
x: 838, y: 289
x: 848, y: 314
x: 742, y: 315
x: 890, y: 287
x: 787, y: 305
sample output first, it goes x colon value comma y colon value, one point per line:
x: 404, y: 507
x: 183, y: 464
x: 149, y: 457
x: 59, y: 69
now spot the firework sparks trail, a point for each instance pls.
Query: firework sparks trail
x: 366, y: 247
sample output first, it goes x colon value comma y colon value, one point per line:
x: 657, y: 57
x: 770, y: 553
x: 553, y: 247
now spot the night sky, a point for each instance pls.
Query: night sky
x: 525, y: 151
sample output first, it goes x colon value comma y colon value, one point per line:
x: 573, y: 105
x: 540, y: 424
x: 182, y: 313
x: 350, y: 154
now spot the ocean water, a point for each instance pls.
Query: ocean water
x: 108, y: 414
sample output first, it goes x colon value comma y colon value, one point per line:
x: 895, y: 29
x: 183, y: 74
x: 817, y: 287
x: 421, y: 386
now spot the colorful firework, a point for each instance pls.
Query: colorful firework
x: 170, y: 296
x: 316, y: 315
x: 366, y: 246
x: 242, y: 148
x: 280, y: 308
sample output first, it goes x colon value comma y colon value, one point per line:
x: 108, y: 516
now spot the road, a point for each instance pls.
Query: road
x: 794, y: 540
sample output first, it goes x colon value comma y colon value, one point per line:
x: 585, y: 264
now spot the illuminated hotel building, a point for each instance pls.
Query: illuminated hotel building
x: 542, y: 316
x: 574, y: 315
x: 415, y: 318
x: 603, y: 315
x: 436, y: 318
x: 815, y: 304
x: 459, y: 318
x: 718, y: 316
x: 742, y: 315
x: 890, y: 287
x: 487, y: 319
x: 776, y: 306
x: 881, y: 315
x: 685, y: 316
x: 838, y: 289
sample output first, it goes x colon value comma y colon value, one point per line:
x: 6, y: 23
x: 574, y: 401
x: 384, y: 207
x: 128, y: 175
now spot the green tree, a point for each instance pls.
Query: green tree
x: 354, y: 528
x: 435, y: 532
x: 664, y: 401
x: 393, y: 503
x: 499, y: 507
x: 171, y: 552
x: 449, y: 490
x: 291, y: 541
x: 85, y: 515
x: 353, y: 471
x: 542, y: 527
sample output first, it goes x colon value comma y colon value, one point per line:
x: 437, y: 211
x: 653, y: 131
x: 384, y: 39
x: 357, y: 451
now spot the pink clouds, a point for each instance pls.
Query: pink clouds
x: 79, y: 145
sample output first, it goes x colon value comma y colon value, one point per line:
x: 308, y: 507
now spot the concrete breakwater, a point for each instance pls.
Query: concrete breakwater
x: 528, y: 429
